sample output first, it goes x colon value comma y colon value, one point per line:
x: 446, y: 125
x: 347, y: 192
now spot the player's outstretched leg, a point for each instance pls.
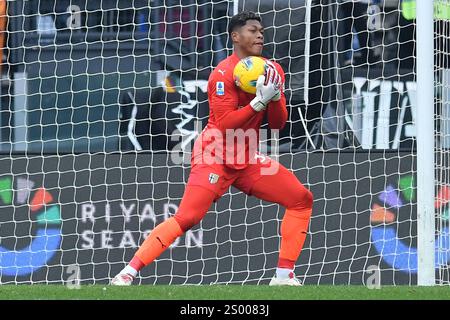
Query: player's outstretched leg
x: 193, y: 207
x: 159, y: 240
x: 284, y: 188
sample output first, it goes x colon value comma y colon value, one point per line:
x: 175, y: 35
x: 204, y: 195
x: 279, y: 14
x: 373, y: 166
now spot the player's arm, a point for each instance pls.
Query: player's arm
x: 224, y: 102
x: 276, y: 111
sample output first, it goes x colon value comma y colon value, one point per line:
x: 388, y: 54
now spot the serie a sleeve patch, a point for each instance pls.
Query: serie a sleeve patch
x: 220, y: 88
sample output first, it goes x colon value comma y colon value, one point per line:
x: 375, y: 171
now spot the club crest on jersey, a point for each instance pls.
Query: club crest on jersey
x: 220, y: 88
x: 213, y: 178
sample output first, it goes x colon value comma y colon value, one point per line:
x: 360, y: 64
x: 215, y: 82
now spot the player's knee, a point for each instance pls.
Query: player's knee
x: 308, y: 199
x: 186, y: 222
x: 304, y: 200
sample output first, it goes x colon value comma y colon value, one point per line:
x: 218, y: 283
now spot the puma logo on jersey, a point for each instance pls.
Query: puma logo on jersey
x: 222, y: 71
x: 213, y: 178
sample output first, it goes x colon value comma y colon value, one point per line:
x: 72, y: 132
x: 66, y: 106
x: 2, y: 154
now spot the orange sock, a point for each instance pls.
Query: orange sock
x: 159, y: 240
x: 293, y: 235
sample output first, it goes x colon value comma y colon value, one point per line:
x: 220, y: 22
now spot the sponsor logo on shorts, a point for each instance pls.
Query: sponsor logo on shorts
x: 213, y: 178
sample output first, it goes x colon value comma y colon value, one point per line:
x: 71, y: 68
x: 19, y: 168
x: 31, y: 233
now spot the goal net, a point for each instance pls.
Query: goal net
x: 101, y: 102
x: 442, y: 146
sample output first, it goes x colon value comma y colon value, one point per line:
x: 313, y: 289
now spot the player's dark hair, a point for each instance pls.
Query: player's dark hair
x: 240, y: 20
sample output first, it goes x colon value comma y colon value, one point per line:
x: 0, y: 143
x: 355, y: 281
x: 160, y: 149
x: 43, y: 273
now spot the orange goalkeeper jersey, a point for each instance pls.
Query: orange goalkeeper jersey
x: 232, y: 134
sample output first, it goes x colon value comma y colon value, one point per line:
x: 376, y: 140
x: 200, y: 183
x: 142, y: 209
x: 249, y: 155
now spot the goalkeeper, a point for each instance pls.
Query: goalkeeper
x: 213, y: 170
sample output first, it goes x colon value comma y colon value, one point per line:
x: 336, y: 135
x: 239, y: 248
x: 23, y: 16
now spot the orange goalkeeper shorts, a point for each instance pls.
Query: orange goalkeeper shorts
x: 218, y: 177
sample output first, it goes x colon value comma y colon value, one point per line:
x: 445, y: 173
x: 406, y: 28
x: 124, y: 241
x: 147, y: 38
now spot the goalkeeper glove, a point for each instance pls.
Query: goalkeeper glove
x: 270, y: 65
x: 267, y: 87
x: 277, y: 97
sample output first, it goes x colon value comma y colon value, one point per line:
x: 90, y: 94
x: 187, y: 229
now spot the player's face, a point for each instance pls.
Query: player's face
x: 251, y: 38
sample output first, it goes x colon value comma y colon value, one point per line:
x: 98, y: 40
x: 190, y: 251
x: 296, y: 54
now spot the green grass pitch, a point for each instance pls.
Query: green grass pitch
x: 222, y: 292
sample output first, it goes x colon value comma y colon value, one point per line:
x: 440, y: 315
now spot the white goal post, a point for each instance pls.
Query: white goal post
x: 425, y: 144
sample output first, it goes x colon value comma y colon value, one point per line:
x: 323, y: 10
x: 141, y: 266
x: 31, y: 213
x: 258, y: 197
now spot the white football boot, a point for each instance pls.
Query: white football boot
x: 291, y: 281
x: 122, y: 279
